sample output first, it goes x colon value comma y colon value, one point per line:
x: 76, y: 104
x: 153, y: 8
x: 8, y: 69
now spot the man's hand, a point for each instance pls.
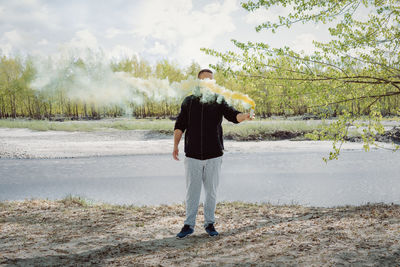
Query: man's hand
x: 248, y: 117
x: 244, y: 116
x: 175, y: 153
x: 177, y: 137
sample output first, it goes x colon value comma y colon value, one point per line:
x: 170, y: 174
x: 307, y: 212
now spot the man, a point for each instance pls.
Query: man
x: 203, y: 153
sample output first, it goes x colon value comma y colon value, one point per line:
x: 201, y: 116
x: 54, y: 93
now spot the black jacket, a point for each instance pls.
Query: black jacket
x: 202, y: 122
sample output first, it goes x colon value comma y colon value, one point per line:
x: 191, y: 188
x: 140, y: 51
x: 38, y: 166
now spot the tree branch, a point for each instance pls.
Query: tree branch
x: 357, y: 98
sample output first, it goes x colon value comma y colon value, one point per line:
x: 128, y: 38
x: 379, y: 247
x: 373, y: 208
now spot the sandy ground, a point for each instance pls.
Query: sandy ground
x: 25, y: 143
x: 69, y: 233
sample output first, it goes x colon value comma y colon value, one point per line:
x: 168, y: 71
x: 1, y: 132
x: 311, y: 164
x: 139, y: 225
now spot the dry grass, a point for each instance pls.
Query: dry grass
x: 74, y: 232
x: 254, y: 130
x: 161, y: 125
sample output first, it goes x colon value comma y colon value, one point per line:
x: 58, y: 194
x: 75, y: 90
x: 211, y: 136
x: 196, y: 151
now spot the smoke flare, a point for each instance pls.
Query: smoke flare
x: 93, y: 81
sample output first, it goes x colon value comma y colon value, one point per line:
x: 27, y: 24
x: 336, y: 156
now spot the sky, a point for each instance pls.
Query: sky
x: 149, y: 29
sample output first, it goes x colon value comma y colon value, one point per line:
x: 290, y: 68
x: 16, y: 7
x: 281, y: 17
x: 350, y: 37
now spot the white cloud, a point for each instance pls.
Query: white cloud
x: 271, y: 14
x: 83, y: 39
x: 5, y: 49
x: 258, y: 16
x: 184, y: 30
x: 13, y: 37
x: 303, y: 42
x: 112, y: 32
x: 43, y: 42
x: 28, y: 13
x: 164, y: 20
x: 153, y: 29
x: 158, y: 49
x: 15, y: 41
x: 121, y: 51
x: 82, y: 44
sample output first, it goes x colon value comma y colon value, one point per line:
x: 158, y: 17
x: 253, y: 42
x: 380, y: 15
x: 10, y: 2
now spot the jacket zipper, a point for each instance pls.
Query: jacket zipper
x: 201, y: 132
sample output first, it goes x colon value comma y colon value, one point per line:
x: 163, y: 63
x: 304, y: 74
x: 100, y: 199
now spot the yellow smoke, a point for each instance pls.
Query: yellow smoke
x: 188, y: 85
x: 210, y: 84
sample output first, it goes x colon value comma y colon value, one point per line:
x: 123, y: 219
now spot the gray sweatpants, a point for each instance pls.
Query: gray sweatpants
x: 200, y: 172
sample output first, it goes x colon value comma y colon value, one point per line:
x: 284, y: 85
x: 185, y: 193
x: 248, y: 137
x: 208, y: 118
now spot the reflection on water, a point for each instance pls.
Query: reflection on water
x: 277, y: 177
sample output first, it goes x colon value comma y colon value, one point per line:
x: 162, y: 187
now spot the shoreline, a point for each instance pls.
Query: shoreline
x: 20, y: 143
x: 73, y: 232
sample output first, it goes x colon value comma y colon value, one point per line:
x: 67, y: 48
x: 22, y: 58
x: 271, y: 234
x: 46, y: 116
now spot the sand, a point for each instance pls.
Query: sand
x: 71, y: 233
x: 25, y: 143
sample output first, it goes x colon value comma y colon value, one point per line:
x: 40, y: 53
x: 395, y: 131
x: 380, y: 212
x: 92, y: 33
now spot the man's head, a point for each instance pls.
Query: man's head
x: 204, y: 74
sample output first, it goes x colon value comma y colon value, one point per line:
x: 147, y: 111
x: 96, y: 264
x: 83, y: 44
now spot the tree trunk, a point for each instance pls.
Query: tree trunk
x: 13, y: 108
x: 85, y: 110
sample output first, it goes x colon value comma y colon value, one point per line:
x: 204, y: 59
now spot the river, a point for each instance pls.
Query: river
x: 283, y: 177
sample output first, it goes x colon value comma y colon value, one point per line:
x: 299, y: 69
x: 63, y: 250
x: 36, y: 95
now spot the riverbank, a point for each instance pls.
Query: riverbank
x: 74, y: 232
x: 25, y: 143
x: 22, y: 138
x: 249, y: 129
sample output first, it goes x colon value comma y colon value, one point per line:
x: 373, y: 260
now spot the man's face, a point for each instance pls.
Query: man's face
x: 205, y: 75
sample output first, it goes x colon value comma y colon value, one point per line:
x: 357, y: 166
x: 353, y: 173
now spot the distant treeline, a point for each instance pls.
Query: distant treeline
x: 19, y: 99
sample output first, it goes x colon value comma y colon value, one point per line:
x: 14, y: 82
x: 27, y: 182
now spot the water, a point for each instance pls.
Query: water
x: 300, y: 177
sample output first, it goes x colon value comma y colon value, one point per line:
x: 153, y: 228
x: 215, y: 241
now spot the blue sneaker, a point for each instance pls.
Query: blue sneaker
x: 211, y: 230
x: 186, y: 231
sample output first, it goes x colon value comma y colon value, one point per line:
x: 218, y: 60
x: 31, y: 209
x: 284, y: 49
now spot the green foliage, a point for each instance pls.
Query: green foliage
x: 18, y: 99
x: 140, y: 69
x: 165, y: 69
x: 357, y: 73
x: 192, y: 70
